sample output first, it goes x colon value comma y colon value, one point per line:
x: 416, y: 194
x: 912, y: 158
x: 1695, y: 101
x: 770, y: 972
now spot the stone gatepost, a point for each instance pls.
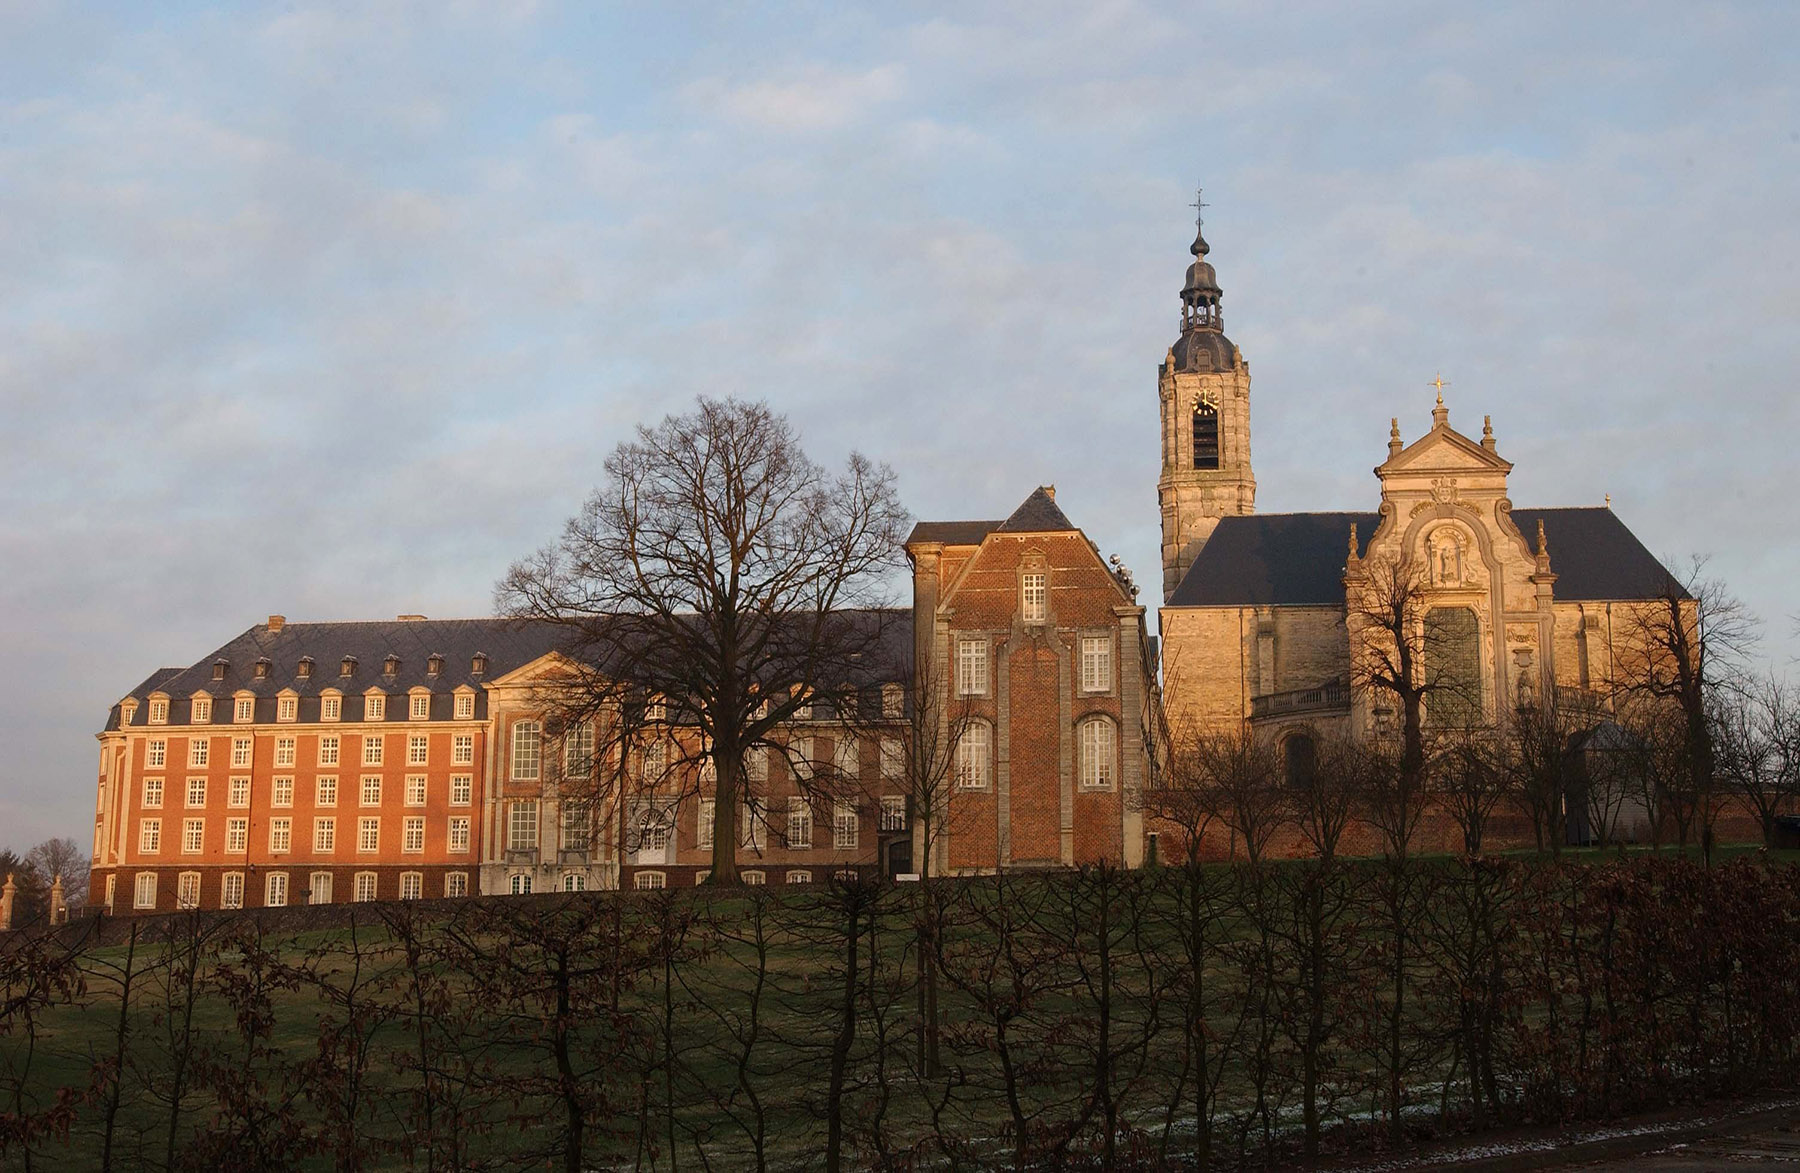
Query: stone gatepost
x: 6, y: 903
x: 59, y: 905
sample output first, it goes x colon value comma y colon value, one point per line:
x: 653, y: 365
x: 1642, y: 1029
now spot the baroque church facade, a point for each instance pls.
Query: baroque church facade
x: 408, y: 759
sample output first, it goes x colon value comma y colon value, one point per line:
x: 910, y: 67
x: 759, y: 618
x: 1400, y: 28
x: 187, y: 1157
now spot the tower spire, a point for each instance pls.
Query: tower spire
x: 1200, y: 294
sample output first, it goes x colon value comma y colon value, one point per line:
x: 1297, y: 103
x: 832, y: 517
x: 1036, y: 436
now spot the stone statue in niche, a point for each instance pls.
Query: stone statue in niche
x: 1526, y: 689
x: 1447, y: 561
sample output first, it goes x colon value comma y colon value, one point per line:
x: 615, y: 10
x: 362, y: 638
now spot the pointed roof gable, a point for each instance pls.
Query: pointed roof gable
x: 1443, y: 447
x: 1038, y: 514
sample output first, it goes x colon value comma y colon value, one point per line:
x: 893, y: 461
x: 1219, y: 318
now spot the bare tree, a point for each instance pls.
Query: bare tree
x: 1683, y: 650
x: 1759, y: 750
x: 1230, y: 778
x: 1385, y: 603
x: 721, y: 570
x: 62, y: 857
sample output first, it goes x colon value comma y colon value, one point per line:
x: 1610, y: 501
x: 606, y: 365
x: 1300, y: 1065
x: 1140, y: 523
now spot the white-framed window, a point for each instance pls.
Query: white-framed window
x: 656, y: 711
x: 656, y: 759
x: 328, y: 750
x: 281, y: 835
x: 756, y: 824
x: 331, y: 708
x: 1034, y: 596
x: 281, y: 791
x: 153, y: 792
x: 578, y: 751
x: 287, y: 708
x: 144, y: 893
x: 974, y: 756
x: 318, y: 888
x: 412, y: 885
x: 846, y: 827
x: 893, y: 702
x: 421, y: 707
x: 465, y: 706
x: 846, y: 762
x: 459, y: 833
x: 709, y: 809
x: 971, y: 667
x: 456, y: 884
x: 364, y: 886
x: 754, y: 879
x: 418, y: 750
x: 240, y: 752
x: 415, y: 790
x: 237, y: 791
x: 522, y: 825
x: 756, y: 763
x: 799, y: 876
x: 1096, y: 663
x: 159, y: 711
x: 649, y: 881
x: 275, y: 890
x: 199, y: 750
x: 654, y: 826
x: 375, y: 706
x: 893, y: 812
x: 201, y: 712
x: 149, y: 836
x: 577, y: 823
x: 574, y: 882
x: 193, y: 836
x: 324, y: 836
x: 799, y: 823
x: 196, y: 791
x: 462, y: 789
x: 231, y: 890
x: 370, y: 793
x: 412, y: 834
x: 237, y: 836
x: 372, y: 750
x: 519, y: 883
x: 368, y: 834
x: 462, y: 749
x: 325, y: 790
x: 244, y: 711
x: 800, y: 758
x: 1098, y: 744
x: 893, y: 759
x: 527, y: 750
x: 156, y: 753
x: 284, y: 751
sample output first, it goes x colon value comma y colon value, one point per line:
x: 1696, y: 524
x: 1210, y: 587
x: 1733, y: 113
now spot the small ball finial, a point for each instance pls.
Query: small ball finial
x: 1543, y: 545
x: 1353, y: 542
x: 1609, y: 500
x: 1394, y: 444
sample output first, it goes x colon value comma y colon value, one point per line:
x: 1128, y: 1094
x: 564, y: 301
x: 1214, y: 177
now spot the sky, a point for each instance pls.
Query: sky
x: 334, y: 311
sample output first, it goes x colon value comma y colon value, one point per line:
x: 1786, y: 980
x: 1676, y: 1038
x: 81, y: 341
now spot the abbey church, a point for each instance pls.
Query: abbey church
x: 1261, y: 612
x: 413, y: 758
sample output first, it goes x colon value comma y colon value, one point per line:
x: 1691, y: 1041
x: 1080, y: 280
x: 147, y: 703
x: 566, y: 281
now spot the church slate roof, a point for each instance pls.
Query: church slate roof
x: 1036, y: 514
x: 1297, y: 559
x: 952, y: 533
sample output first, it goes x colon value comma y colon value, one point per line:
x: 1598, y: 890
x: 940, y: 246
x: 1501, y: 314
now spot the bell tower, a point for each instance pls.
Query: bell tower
x: 1204, y: 385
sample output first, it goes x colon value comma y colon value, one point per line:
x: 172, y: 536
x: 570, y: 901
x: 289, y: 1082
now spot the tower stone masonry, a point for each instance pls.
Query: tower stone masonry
x: 1204, y: 387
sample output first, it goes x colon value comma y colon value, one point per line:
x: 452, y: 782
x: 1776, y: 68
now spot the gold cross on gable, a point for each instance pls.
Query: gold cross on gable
x: 1440, y: 383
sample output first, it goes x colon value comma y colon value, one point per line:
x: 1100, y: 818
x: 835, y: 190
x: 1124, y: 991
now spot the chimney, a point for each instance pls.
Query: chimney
x: 409, y: 618
x: 276, y: 623
x: 1049, y: 491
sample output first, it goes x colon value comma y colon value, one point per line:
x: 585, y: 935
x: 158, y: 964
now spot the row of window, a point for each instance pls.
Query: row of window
x: 654, y: 825
x: 281, y: 835
x: 416, y: 792
x: 527, y: 756
x: 655, y: 881
x: 973, y: 676
x: 330, y: 751
x: 287, y: 708
x: 365, y: 886
x: 1096, y: 753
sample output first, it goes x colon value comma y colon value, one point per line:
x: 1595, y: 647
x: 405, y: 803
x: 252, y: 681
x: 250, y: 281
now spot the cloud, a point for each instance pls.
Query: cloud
x: 808, y: 100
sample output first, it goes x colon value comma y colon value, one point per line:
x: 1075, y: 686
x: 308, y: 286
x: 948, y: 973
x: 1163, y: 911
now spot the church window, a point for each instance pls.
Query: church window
x: 1300, y: 761
x: 1452, y: 667
x: 1206, y: 435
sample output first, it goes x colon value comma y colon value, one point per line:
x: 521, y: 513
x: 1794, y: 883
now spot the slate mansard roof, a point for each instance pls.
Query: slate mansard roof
x: 1297, y: 559
x: 507, y: 644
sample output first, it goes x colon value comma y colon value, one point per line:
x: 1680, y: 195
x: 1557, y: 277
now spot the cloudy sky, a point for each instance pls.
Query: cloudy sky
x: 333, y: 311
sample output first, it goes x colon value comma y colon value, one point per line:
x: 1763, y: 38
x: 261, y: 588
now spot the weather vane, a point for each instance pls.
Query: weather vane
x: 1199, y: 205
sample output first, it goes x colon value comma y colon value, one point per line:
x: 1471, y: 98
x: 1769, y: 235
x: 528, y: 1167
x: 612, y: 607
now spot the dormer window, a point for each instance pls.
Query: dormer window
x: 348, y: 667
x: 465, y: 706
x: 375, y: 707
x: 219, y: 667
x: 391, y: 665
x: 262, y: 668
x: 434, y: 665
x: 127, y: 710
x: 244, y: 710
x: 201, y: 711
x: 478, y: 664
x: 159, y: 711
x: 304, y: 668
x: 421, y: 706
x: 1206, y: 435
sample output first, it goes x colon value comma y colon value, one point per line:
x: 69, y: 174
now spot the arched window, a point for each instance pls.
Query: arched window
x: 1300, y: 761
x: 974, y: 753
x: 1098, y: 744
x: 1206, y: 435
x: 1452, y: 667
